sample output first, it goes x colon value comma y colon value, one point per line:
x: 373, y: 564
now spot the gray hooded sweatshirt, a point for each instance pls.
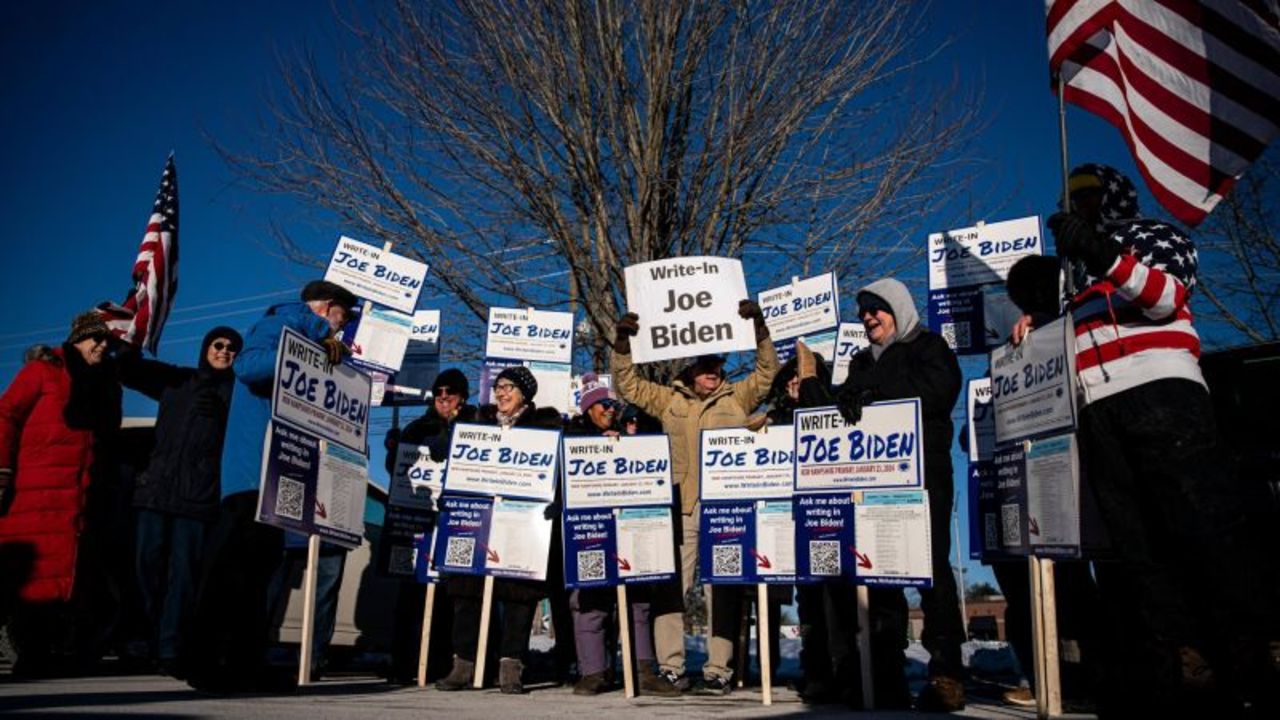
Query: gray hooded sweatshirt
x: 905, y: 317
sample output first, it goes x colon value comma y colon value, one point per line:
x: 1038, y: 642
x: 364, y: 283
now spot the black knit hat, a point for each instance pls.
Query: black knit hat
x: 325, y: 290
x: 454, y: 380
x: 87, y: 324
x: 522, y: 378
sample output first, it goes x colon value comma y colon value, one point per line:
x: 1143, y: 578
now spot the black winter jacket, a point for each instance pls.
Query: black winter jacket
x: 431, y: 430
x: 183, y: 475
x: 919, y: 365
x: 528, y: 591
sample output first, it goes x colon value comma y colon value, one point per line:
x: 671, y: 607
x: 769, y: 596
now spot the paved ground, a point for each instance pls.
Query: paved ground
x: 159, y: 697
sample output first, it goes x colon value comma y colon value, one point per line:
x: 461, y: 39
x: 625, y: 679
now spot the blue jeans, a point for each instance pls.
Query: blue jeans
x: 328, y: 583
x: 169, y: 551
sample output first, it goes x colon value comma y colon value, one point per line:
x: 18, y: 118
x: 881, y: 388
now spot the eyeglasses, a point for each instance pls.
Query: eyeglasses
x: 223, y: 345
x: 504, y: 387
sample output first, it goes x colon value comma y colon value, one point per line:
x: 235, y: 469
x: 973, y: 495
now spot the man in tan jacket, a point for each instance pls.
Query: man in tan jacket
x: 698, y: 399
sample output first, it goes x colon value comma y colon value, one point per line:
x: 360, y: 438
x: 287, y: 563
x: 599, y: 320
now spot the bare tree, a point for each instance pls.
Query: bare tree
x: 1240, y: 254
x: 530, y: 150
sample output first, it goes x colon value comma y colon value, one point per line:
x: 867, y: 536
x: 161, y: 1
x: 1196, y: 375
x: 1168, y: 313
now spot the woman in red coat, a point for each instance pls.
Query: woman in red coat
x: 48, y: 419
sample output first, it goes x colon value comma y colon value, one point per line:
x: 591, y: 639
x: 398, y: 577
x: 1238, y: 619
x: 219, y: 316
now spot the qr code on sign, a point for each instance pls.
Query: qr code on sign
x: 289, y: 498
x: 726, y: 560
x: 824, y: 557
x: 956, y: 334
x: 402, y: 560
x: 460, y: 552
x: 591, y: 565
x: 1011, y: 526
x: 990, y: 531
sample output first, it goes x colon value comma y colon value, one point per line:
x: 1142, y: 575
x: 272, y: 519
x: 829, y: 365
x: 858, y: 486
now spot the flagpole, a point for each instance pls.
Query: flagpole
x: 1068, y: 282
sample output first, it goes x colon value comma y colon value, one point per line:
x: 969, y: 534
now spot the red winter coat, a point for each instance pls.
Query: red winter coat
x: 51, y: 471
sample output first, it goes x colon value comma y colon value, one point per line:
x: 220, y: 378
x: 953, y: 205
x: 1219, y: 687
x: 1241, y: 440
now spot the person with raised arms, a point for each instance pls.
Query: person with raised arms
x: 699, y: 398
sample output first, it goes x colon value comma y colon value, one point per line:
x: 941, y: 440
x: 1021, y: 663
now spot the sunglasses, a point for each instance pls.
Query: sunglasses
x: 223, y: 345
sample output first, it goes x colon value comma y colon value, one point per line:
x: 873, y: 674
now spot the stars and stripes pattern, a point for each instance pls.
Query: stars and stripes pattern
x: 1193, y: 85
x: 140, y: 319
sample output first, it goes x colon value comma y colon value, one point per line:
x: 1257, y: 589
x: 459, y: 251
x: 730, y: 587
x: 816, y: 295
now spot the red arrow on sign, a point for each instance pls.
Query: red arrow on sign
x: 761, y: 559
x: 863, y: 560
x: 490, y: 553
x: 321, y: 511
x: 623, y: 564
x: 1035, y: 526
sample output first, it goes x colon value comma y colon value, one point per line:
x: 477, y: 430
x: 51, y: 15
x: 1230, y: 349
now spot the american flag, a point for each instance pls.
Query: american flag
x: 141, y: 317
x: 1193, y: 85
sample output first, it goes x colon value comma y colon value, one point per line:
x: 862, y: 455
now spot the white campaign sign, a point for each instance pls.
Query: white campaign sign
x: 376, y: 274
x: 426, y: 327
x: 645, y: 546
x: 417, y: 480
x: 528, y: 334
x: 852, y: 337
x: 738, y: 464
x: 775, y: 538
x: 331, y: 402
x: 554, y: 381
x: 381, y: 338
x: 516, y: 462
x: 688, y: 307
x: 892, y: 536
x: 1053, y: 492
x: 519, y: 539
x: 625, y: 471
x: 1033, y: 384
x: 340, y: 495
x: 982, y: 428
x: 884, y: 450
x: 801, y: 308
x: 982, y: 254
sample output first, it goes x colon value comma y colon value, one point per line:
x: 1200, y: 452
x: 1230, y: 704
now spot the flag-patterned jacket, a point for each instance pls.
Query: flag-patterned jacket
x: 1134, y: 326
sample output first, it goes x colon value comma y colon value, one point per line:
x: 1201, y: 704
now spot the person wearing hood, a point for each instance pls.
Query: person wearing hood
x: 56, y: 420
x: 231, y: 625
x: 513, y: 406
x: 1149, y: 446
x: 177, y: 495
x: 906, y: 360
x: 699, y: 399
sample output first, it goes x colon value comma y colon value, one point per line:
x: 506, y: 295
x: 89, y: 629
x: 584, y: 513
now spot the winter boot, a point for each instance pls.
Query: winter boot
x: 509, y: 672
x: 460, y: 677
x: 655, y: 684
x: 943, y: 694
x: 592, y: 684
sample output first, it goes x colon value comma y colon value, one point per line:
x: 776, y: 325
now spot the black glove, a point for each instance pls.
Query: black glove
x: 748, y: 309
x: 553, y: 510
x: 209, y: 405
x: 850, y: 404
x: 626, y: 328
x: 1077, y: 239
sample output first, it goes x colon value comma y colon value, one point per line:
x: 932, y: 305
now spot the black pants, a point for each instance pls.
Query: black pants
x: 943, y: 631
x: 231, y: 626
x: 829, y: 653
x: 411, y: 598
x: 1076, y: 599
x: 1175, y: 513
x: 513, y: 631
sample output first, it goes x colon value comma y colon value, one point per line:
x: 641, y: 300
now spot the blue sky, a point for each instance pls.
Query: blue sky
x: 96, y: 94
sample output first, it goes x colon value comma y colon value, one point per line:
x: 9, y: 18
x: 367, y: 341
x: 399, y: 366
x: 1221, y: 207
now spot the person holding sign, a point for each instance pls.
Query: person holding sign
x: 449, y: 393
x: 828, y: 656
x: 1151, y: 453
x: 906, y: 360
x: 699, y: 398
x: 592, y: 606
x: 231, y: 623
x: 513, y: 406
